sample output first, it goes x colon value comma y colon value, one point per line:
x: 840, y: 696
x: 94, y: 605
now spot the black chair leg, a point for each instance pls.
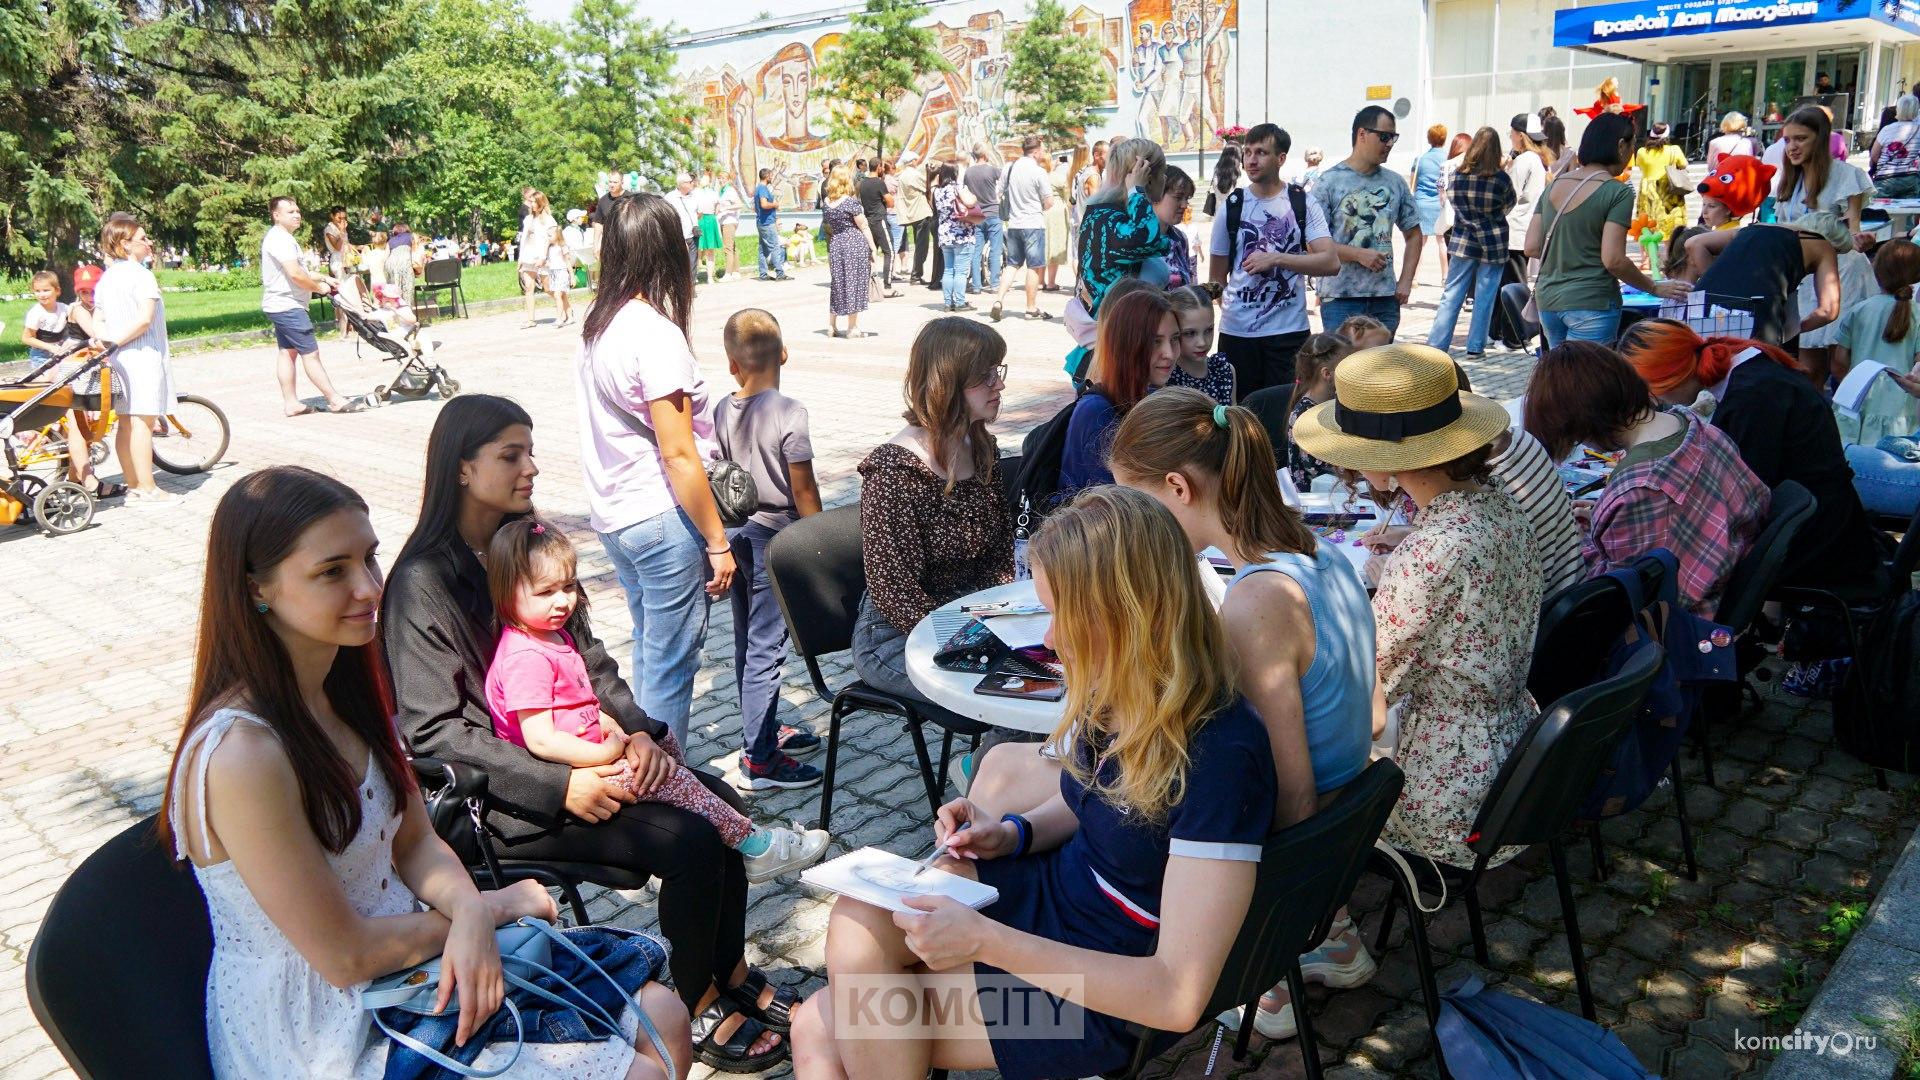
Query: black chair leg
x: 1572, y: 919
x: 1686, y: 828
x: 1416, y: 931
x: 914, y: 728
x: 1880, y: 778
x: 1704, y: 745
x: 1599, y: 851
x: 946, y: 758
x: 1309, y: 1050
x: 833, y: 754
x: 572, y: 892
x: 1474, y: 923
x: 1387, y: 913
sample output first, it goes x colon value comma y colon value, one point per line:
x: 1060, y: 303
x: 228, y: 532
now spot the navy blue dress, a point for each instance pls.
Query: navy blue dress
x: 1101, y: 890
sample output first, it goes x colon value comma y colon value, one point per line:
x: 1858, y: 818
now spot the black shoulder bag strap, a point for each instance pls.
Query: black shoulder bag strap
x: 1234, y: 200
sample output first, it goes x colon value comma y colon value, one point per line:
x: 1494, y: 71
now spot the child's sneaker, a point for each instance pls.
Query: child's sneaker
x: 797, y: 743
x: 784, y: 772
x: 787, y: 850
x: 1341, y: 961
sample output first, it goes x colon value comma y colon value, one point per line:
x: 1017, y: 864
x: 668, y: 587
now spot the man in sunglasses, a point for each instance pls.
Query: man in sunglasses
x: 1363, y: 203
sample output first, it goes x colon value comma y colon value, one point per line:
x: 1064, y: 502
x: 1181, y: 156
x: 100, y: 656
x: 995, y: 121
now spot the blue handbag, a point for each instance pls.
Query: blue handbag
x: 526, y: 961
x: 1695, y: 652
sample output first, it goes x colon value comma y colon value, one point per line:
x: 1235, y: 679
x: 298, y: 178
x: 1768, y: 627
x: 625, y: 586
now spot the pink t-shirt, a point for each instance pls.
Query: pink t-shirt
x: 529, y: 674
x: 641, y: 357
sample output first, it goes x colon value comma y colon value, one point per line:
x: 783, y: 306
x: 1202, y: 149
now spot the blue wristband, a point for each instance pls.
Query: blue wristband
x: 1025, y: 830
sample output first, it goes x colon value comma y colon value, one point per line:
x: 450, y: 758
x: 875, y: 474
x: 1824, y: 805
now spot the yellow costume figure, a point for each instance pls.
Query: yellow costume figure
x: 1659, y: 201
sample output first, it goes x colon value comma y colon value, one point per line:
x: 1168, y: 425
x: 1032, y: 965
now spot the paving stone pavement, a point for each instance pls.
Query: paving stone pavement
x: 97, y: 651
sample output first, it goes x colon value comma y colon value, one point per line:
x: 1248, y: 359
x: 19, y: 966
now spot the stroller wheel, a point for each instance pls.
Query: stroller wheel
x: 63, y: 507
x: 97, y: 454
x: 448, y: 387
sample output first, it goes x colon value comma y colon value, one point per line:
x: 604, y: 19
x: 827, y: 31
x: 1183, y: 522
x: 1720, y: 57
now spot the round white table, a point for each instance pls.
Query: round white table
x: 953, y: 690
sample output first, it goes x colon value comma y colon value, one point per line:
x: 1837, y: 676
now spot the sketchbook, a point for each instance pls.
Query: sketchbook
x: 882, y: 879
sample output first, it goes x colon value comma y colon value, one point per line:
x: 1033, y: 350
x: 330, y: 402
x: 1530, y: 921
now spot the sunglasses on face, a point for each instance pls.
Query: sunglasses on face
x: 1387, y: 138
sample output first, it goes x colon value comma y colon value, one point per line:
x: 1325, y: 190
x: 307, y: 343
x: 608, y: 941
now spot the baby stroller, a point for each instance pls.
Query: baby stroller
x: 418, y: 375
x: 61, y: 506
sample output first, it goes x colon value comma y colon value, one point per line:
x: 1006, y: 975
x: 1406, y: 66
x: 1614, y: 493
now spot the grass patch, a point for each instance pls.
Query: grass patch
x: 228, y: 302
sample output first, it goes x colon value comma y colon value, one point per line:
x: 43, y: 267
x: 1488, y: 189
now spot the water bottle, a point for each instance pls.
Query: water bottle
x: 1021, y: 571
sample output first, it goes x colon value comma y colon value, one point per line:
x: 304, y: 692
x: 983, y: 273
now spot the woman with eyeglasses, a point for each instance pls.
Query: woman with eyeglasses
x: 933, y: 524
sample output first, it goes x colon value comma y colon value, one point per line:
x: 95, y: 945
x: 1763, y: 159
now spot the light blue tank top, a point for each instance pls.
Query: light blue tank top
x: 1337, y: 689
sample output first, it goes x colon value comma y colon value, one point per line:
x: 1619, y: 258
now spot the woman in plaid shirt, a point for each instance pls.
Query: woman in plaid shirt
x: 1482, y: 196
x: 1679, y: 484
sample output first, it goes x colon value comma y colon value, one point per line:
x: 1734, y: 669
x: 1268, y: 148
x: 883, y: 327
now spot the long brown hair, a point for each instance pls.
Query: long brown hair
x: 1483, y: 156
x: 240, y: 660
x: 1124, y: 344
x: 1896, y: 266
x: 1225, y: 448
x: 949, y: 355
x: 643, y: 256
x: 1819, y: 156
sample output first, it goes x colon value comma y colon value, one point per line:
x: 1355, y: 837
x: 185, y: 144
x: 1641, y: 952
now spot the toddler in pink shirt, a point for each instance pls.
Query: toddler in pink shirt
x: 542, y: 699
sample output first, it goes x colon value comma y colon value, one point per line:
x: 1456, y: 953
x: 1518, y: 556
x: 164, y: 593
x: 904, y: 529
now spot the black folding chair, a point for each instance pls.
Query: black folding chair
x: 1539, y: 790
x: 456, y: 797
x: 442, y: 276
x: 1306, y: 873
x: 1753, y: 580
x: 117, y: 974
x: 818, y: 577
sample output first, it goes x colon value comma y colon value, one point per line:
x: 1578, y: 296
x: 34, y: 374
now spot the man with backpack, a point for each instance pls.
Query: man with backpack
x: 1268, y: 236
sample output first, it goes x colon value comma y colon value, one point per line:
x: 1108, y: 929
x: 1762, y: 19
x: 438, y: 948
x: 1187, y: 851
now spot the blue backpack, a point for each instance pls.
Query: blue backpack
x: 1696, y: 652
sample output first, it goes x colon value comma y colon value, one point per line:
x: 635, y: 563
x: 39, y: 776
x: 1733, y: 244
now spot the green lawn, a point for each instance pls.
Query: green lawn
x: 233, y: 303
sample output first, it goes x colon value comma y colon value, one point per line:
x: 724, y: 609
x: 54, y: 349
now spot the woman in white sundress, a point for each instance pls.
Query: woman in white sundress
x: 291, y: 796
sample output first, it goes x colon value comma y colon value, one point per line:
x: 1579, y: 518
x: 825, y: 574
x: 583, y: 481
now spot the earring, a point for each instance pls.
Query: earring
x: 261, y: 607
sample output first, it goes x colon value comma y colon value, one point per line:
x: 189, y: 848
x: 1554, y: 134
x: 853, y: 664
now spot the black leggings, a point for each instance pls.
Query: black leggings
x: 703, y: 883
x: 921, y: 232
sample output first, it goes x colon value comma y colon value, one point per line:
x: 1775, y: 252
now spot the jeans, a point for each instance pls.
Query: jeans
x: 1484, y: 279
x: 773, y: 256
x: 984, y: 271
x: 1593, y: 324
x: 1384, y: 308
x: 1887, y: 479
x: 880, y: 653
x: 953, y: 281
x: 759, y: 643
x: 895, y: 231
x: 1904, y: 186
x: 662, y: 565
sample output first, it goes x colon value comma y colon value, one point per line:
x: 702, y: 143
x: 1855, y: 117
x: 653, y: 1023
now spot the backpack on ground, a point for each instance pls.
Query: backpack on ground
x: 1697, y: 653
x: 1236, y: 204
x: 1876, y: 715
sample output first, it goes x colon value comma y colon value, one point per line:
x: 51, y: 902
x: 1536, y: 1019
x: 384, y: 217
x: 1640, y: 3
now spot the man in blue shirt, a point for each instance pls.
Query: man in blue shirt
x: 766, y: 215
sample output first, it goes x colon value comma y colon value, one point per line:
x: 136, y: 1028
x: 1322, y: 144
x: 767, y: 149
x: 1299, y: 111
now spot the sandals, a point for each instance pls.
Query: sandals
x: 104, y: 490
x: 353, y: 405
x: 777, y: 1015
x: 734, y: 1054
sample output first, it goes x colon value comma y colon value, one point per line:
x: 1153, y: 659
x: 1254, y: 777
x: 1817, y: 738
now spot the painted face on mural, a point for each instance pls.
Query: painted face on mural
x: 796, y: 81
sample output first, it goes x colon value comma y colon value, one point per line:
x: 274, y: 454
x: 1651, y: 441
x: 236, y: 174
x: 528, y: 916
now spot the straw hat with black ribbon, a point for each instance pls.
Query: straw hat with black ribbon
x: 1398, y: 408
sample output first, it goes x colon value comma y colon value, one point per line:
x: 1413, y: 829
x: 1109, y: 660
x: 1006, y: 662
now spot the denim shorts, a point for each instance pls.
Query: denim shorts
x: 1026, y: 247
x: 294, y: 330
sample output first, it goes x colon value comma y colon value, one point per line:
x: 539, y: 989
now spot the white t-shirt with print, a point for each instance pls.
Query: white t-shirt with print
x: 1273, y: 301
x: 46, y: 325
x: 277, y: 290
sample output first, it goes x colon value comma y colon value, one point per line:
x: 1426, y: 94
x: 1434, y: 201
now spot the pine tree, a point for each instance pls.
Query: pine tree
x: 1055, y: 77
x: 622, y: 94
x: 881, y: 57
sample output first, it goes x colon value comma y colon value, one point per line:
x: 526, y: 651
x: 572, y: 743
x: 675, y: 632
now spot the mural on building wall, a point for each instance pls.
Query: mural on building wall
x: 1167, y: 63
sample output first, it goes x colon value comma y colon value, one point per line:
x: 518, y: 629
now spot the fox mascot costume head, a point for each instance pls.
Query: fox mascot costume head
x: 1740, y: 183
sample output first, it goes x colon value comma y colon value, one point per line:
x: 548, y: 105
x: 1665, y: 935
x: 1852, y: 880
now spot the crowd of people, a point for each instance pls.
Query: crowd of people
x: 1123, y: 846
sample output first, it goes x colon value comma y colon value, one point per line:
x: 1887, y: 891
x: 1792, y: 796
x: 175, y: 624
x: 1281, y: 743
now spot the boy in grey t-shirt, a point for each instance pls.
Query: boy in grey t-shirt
x: 765, y: 431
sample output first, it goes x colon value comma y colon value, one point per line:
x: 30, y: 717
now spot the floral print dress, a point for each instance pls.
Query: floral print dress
x: 1456, y: 611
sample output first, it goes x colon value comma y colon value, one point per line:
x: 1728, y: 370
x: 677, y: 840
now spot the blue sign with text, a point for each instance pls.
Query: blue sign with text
x: 1596, y: 26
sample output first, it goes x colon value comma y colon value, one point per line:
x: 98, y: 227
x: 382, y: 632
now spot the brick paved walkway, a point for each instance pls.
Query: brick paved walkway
x: 97, y: 651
